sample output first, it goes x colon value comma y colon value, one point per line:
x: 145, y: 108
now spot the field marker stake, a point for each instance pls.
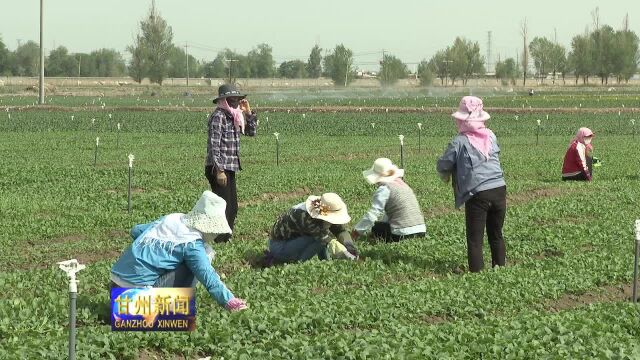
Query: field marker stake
x: 131, y: 158
x: 419, y: 137
x: 277, y: 135
x: 95, y: 156
x: 71, y: 267
x: 401, y: 137
x: 538, y: 131
x: 635, y: 264
x: 118, y: 137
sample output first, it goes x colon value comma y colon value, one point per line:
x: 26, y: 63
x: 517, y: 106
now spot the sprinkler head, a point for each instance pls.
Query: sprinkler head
x: 71, y: 267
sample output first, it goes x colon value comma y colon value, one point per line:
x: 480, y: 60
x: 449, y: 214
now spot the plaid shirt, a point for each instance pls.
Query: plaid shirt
x: 296, y: 222
x: 223, y: 147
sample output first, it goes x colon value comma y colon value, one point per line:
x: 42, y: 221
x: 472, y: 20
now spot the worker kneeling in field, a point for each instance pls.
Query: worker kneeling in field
x: 173, y: 251
x: 472, y: 160
x: 312, y: 228
x: 395, y: 213
x: 578, y: 159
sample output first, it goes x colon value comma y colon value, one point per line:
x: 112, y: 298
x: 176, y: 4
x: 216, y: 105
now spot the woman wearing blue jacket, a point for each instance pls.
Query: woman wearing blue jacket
x: 472, y: 160
x: 173, y: 251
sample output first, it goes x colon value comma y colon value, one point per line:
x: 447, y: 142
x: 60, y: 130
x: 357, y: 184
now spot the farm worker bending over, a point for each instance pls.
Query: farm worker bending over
x: 471, y: 160
x: 232, y: 117
x: 173, y: 251
x: 308, y: 229
x: 576, y: 159
x: 394, y: 204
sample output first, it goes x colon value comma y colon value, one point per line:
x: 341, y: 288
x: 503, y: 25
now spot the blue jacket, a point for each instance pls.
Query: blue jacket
x: 143, y: 265
x: 471, y: 171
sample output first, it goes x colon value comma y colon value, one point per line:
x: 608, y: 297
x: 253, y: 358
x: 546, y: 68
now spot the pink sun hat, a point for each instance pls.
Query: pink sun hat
x: 470, y: 109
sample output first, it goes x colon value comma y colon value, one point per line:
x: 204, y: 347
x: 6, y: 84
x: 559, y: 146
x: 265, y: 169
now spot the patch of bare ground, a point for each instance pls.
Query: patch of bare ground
x: 117, y: 233
x: 276, y: 196
x: 605, y: 294
x: 519, y: 198
x: 71, y: 238
x: 134, y: 190
x: 90, y: 257
x: 534, y: 194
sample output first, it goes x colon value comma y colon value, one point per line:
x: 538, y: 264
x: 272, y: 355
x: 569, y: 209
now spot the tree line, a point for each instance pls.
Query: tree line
x: 602, y: 52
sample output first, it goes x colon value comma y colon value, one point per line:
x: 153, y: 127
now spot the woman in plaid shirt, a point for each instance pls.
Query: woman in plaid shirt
x: 232, y: 117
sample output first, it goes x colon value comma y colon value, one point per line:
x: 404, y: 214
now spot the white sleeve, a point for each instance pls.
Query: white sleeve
x: 375, y: 212
x: 582, y: 154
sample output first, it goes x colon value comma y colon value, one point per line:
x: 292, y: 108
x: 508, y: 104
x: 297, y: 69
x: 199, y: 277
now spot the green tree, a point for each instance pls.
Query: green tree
x: 137, y: 64
x: 177, y: 67
x: 391, y: 70
x: 339, y: 65
x: 61, y: 63
x: 439, y: 64
x: 426, y: 73
x: 558, y: 59
x: 314, y: 64
x: 261, y: 62
x: 507, y: 71
x: 603, y: 52
x: 215, y: 68
x: 627, y: 56
x: 295, y: 69
x: 540, y: 49
x: 157, y: 36
x: 27, y: 59
x: 107, y: 63
x: 466, y: 60
x: 580, y: 58
x: 5, y: 59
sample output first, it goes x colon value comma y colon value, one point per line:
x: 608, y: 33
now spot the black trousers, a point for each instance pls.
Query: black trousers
x: 229, y: 193
x: 382, y: 230
x: 487, y: 208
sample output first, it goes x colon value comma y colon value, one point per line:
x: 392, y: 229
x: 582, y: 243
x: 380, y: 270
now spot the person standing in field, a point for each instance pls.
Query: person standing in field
x: 231, y: 118
x: 578, y: 158
x: 472, y: 162
x: 174, y: 251
x: 312, y: 228
x: 395, y: 213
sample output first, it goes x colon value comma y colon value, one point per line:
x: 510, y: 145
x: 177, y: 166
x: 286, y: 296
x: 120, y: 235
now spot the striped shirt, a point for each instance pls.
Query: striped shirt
x: 223, y: 147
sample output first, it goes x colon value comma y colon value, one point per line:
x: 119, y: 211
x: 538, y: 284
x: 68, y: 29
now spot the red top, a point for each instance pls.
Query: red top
x: 575, y: 161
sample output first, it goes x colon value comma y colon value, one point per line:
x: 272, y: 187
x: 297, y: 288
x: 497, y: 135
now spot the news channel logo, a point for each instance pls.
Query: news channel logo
x: 153, y: 309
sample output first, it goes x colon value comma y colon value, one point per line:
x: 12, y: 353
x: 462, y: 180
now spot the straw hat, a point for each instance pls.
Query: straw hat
x: 383, y: 170
x: 208, y: 215
x: 328, y: 207
x: 471, y: 109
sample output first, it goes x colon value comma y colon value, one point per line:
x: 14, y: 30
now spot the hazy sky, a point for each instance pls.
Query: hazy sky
x: 410, y: 29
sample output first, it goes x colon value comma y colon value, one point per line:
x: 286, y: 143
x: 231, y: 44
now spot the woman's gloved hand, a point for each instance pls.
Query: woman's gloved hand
x: 236, y: 304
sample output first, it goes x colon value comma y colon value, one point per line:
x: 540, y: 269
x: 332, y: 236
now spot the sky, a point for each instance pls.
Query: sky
x: 412, y: 30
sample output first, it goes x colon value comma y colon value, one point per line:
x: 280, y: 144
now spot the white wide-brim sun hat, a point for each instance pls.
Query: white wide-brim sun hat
x: 383, y: 170
x: 208, y: 215
x: 328, y: 207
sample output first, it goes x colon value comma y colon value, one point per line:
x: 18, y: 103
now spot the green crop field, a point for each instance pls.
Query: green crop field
x: 564, y: 294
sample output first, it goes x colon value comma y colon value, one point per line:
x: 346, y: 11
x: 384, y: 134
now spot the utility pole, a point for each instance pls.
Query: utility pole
x: 186, y: 51
x: 230, y: 61
x: 79, y: 64
x: 41, y: 92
